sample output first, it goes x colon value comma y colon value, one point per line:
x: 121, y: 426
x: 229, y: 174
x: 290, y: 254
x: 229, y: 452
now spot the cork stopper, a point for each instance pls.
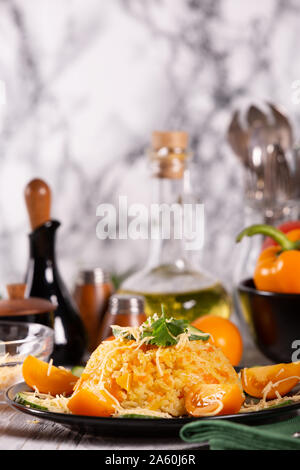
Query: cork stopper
x: 169, y: 153
x: 16, y: 291
x: 169, y: 139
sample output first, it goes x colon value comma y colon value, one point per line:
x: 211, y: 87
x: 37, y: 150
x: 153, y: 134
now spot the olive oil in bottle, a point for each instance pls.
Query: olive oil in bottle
x: 169, y: 278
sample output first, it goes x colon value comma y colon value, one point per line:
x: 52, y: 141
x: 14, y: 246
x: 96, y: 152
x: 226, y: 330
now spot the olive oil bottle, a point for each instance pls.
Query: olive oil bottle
x: 212, y: 299
x: 169, y: 278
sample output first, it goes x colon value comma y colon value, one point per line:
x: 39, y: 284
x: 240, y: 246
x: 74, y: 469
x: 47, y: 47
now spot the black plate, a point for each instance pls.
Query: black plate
x: 141, y: 427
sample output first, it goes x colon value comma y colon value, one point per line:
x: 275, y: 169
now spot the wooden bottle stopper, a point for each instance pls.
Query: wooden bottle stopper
x: 16, y: 291
x: 38, y: 202
x: 170, y: 163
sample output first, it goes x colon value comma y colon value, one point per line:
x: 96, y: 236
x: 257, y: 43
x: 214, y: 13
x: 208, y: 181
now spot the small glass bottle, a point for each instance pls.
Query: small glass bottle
x: 169, y: 279
x: 123, y: 310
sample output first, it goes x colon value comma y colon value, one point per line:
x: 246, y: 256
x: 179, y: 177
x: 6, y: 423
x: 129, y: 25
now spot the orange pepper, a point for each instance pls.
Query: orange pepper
x: 278, y: 267
x: 284, y: 378
x: 286, y: 227
x: 213, y: 399
x: 84, y: 402
x: 52, y: 380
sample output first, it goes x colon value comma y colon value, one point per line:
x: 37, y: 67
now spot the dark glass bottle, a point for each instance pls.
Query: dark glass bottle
x: 43, y: 280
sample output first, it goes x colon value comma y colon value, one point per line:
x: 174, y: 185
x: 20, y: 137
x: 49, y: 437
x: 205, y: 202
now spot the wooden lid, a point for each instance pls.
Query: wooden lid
x: 17, y: 305
x: 170, y: 139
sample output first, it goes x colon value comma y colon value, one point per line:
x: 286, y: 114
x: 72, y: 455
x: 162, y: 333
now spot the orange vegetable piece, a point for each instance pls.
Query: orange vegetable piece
x: 283, y: 376
x: 213, y: 399
x: 225, y: 334
x: 278, y: 271
x: 57, y: 382
x: 278, y: 267
x: 87, y: 403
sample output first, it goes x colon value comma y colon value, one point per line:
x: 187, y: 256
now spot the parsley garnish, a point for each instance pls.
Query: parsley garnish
x: 162, y: 331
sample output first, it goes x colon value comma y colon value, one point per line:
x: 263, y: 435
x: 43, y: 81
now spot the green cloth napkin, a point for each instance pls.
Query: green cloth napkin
x: 224, y: 435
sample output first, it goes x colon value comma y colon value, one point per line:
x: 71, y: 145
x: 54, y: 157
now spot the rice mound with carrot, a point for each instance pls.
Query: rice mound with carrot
x: 154, y: 378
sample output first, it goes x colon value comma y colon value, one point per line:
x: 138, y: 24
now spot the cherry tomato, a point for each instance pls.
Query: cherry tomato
x: 225, y: 335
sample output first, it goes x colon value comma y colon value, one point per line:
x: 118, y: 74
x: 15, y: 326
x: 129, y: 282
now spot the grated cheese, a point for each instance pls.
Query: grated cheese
x: 183, y: 339
x: 10, y: 370
x: 262, y: 404
x: 270, y: 385
x: 278, y: 373
x: 216, y: 410
x: 157, y: 361
x: 49, y: 367
x: 56, y: 404
x: 144, y: 411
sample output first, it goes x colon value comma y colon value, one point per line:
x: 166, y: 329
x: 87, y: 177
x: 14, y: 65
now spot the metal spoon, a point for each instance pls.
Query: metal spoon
x: 262, y: 138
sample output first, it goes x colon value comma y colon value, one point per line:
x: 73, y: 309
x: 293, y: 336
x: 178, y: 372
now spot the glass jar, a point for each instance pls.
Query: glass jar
x: 123, y: 310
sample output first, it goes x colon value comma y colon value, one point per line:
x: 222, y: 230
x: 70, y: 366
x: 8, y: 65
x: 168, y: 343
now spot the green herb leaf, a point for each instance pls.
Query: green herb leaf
x: 77, y: 370
x: 199, y: 338
x: 164, y: 332
x: 284, y: 403
x: 195, y: 334
x: 121, y: 331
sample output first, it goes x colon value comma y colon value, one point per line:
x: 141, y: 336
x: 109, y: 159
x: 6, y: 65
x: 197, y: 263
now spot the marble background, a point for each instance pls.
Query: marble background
x: 86, y: 82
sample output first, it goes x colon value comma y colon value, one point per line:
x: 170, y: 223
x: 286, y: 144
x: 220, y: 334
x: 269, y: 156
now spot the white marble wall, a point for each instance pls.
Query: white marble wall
x: 88, y: 80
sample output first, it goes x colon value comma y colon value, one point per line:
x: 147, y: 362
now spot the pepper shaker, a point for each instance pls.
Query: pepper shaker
x: 92, y: 291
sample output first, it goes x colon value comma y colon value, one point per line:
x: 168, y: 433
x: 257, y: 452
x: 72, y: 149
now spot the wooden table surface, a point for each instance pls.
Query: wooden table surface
x: 19, y: 431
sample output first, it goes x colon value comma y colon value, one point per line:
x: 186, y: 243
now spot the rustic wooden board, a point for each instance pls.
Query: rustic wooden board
x: 21, y: 432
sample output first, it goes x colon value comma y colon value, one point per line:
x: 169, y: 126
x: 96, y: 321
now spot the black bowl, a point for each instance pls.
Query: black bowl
x: 274, y: 321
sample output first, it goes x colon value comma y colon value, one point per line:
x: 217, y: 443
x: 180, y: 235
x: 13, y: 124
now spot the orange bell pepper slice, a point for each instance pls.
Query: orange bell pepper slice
x: 278, y: 267
x: 213, y: 399
x: 47, y: 379
x: 280, y: 378
x: 84, y: 402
